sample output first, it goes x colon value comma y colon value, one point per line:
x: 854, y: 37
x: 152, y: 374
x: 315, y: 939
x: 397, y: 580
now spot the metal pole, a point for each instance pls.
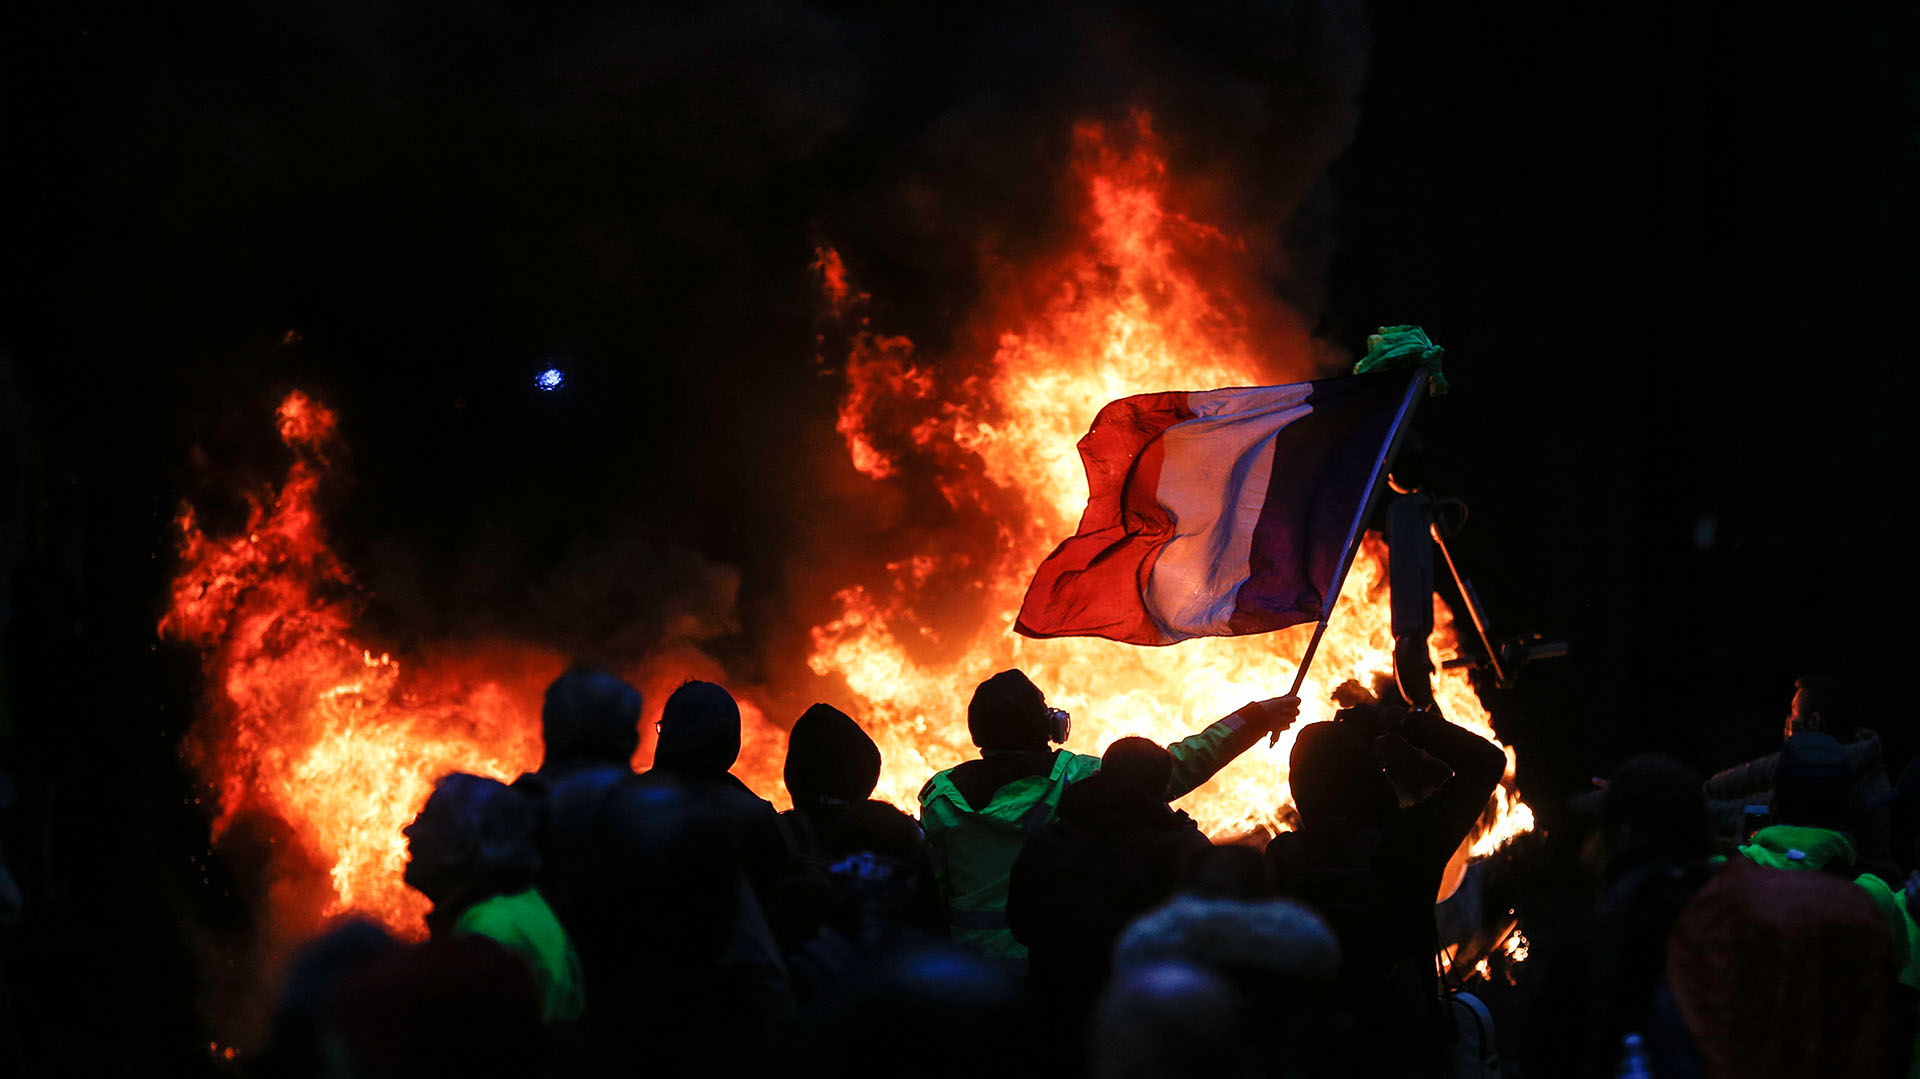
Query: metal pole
x: 1354, y: 530
x: 1473, y: 609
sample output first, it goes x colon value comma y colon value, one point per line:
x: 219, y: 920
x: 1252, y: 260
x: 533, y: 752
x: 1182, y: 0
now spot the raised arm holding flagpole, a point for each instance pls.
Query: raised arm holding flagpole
x: 1231, y: 511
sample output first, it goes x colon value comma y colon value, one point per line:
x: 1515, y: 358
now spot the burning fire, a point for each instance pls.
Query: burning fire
x: 1129, y: 310
x: 309, y: 722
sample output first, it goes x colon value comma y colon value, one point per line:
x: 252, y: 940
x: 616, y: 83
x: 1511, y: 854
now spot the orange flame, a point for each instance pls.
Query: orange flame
x: 1128, y: 310
x: 310, y: 722
x: 307, y: 723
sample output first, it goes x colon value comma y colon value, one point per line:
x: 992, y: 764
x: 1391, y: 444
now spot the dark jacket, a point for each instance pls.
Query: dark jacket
x: 1609, y: 979
x: 681, y: 968
x: 979, y: 814
x: 1109, y: 855
x: 699, y: 742
x: 569, y: 797
x: 1374, y: 880
x: 857, y: 883
x: 1871, y: 826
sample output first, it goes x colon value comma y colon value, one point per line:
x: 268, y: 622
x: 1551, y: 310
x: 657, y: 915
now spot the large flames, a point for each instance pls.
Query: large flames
x: 310, y: 723
x: 1128, y: 310
x: 305, y: 722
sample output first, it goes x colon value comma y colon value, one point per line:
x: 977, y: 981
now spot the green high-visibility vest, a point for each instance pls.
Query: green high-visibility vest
x: 977, y: 844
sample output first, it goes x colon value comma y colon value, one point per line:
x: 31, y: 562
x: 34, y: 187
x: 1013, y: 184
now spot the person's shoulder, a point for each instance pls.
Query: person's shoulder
x: 500, y: 916
x: 938, y: 783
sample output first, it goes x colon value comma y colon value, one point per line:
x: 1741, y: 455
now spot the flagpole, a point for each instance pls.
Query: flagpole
x: 1355, y: 530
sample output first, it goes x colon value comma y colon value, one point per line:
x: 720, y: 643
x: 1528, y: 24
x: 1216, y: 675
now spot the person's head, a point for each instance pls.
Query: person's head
x: 1813, y: 785
x: 1335, y: 774
x: 589, y: 716
x: 1169, y: 1019
x: 830, y: 760
x: 1652, y: 807
x: 1278, y: 937
x: 900, y: 993
x: 1139, y: 765
x: 699, y: 731
x: 473, y: 832
x: 1279, y: 956
x: 1009, y: 712
x: 1822, y: 703
x: 303, y: 1018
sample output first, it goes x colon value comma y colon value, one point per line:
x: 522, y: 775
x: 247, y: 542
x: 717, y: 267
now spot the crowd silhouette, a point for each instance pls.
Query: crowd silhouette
x: 1046, y: 912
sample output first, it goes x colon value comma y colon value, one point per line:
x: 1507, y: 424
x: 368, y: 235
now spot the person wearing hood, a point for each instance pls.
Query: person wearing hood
x: 1114, y: 850
x: 1372, y: 867
x: 831, y: 770
x: 471, y: 851
x: 699, y: 741
x: 589, y: 729
x: 1813, y: 797
x: 832, y: 765
x: 858, y: 875
x: 1825, y: 705
x: 979, y: 814
x: 1608, y: 978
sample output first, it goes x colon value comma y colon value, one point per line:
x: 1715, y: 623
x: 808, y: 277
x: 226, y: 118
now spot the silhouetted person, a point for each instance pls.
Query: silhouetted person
x: 699, y: 741
x: 454, y: 1006
x: 687, y: 976
x: 471, y: 850
x: 1228, y: 872
x: 1609, y: 979
x: 590, y: 728
x: 1171, y: 1020
x: 680, y: 928
x: 1828, y: 706
x: 1280, y: 958
x: 1814, y: 795
x: 978, y: 814
x: 1779, y: 973
x: 1113, y: 850
x: 305, y: 1032
x: 832, y: 766
x: 1785, y: 962
x: 934, y: 1011
x: 857, y: 871
x: 1373, y: 868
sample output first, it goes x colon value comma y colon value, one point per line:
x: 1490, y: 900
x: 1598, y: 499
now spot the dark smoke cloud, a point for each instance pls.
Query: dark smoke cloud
x: 441, y: 199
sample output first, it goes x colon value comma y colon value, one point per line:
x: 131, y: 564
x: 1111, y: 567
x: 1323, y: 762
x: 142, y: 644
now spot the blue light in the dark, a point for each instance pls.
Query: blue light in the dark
x: 550, y: 379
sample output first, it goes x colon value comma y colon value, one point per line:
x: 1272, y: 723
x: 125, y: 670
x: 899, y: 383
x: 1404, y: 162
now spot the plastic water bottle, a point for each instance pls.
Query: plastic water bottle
x: 1633, y: 1059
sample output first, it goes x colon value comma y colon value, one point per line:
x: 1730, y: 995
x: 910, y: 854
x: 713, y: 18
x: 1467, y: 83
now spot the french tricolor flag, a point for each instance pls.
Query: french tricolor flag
x: 1219, y: 512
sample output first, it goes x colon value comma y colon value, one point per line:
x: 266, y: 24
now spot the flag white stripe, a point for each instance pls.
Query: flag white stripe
x: 1213, y: 482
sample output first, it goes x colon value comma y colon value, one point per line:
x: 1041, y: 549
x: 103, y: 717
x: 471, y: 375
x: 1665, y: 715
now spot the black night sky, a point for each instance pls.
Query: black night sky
x: 1668, y: 248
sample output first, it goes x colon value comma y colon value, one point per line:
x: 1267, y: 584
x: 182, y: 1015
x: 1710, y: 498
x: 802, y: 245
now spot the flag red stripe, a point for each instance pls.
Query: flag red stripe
x: 1093, y: 582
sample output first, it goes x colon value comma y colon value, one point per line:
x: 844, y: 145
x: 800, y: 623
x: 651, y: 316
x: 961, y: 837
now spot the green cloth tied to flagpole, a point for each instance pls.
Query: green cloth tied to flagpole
x: 1402, y: 348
